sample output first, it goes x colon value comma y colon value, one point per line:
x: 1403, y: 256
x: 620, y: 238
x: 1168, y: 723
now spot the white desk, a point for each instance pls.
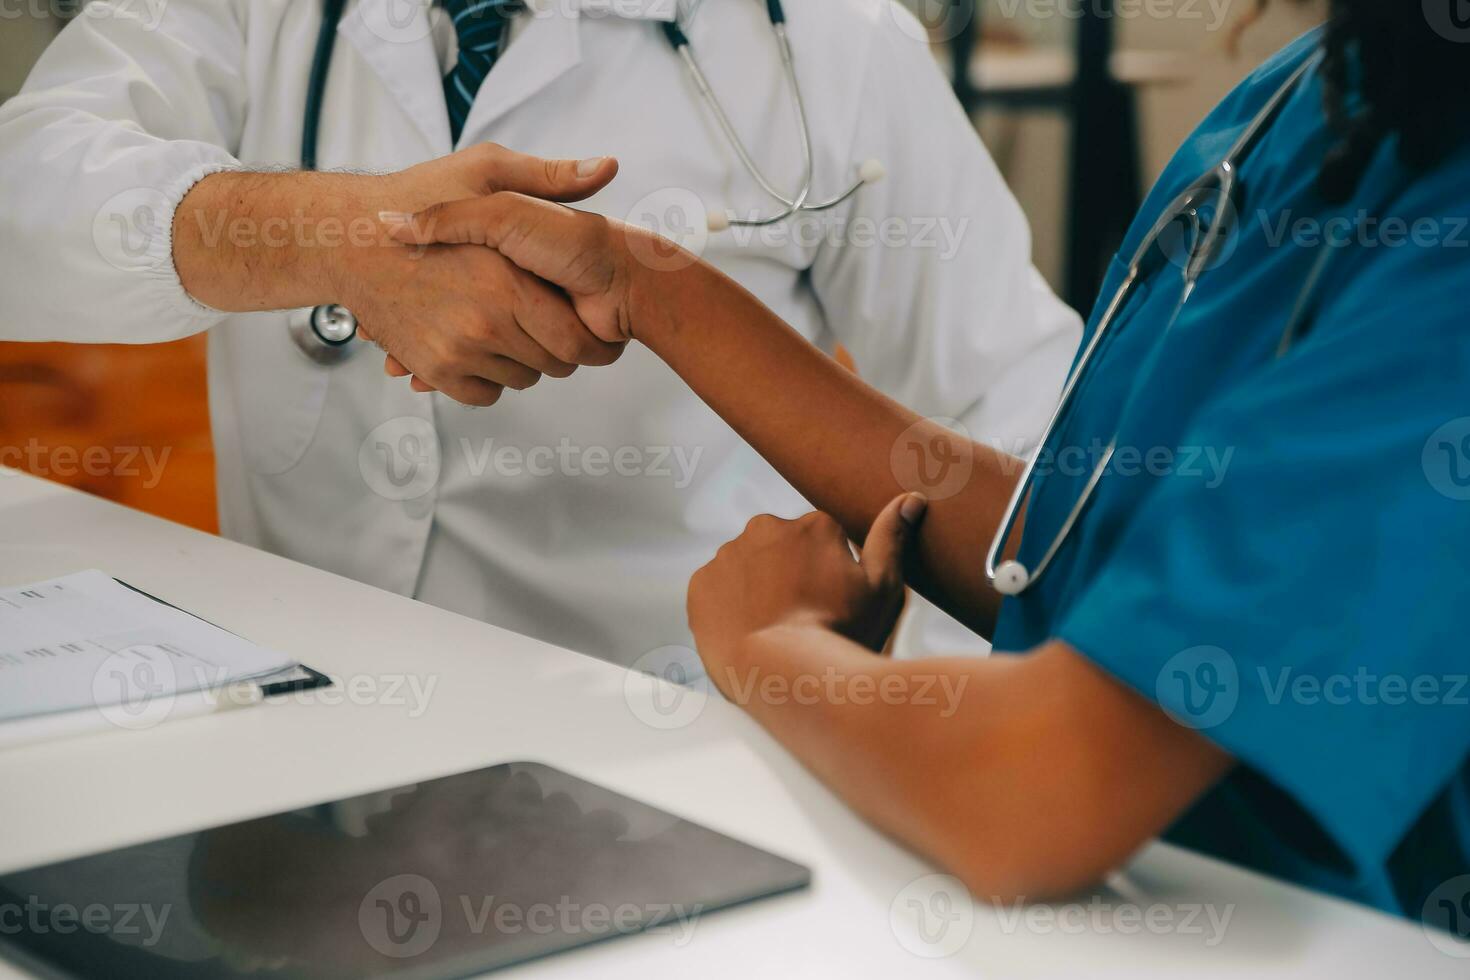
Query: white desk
x: 502, y: 697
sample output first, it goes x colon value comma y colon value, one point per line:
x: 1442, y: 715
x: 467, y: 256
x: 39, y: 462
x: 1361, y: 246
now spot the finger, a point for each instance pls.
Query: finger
x: 536, y: 235
x: 513, y: 326
x: 394, y: 368
x: 565, y: 247
x: 889, y: 538
x: 524, y: 346
x: 470, y: 221
x: 501, y: 370
x: 762, y: 529
x: 551, y: 325
x: 472, y: 391
x: 553, y: 180
x: 419, y: 384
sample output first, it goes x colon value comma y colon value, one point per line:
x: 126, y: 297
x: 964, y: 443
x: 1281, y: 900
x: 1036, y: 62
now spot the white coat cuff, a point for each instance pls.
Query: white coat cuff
x: 174, y: 300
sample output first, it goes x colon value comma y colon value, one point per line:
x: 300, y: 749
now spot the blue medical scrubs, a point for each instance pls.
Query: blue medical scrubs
x: 1279, y: 554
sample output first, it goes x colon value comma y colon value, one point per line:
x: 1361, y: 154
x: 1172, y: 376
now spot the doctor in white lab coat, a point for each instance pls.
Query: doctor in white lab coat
x: 576, y: 510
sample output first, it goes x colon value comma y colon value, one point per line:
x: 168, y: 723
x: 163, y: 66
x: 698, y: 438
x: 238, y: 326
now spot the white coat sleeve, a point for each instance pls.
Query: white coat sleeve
x: 128, y: 108
x: 931, y: 287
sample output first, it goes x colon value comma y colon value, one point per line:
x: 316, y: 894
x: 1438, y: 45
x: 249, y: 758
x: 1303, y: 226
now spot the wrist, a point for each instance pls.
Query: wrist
x: 344, y: 209
x: 661, y: 280
x: 257, y: 241
x: 737, y: 663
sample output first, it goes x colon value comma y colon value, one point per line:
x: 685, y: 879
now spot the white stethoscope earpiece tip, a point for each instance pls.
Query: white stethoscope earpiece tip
x: 1011, y: 578
x: 872, y: 171
x: 717, y: 220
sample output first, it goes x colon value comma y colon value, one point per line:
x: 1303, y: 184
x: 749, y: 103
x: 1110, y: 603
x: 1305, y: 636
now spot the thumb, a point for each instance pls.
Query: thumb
x: 889, y: 537
x: 470, y: 221
x: 565, y: 247
x: 554, y: 180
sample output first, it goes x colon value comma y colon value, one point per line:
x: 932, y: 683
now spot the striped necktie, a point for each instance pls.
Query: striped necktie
x: 480, y: 26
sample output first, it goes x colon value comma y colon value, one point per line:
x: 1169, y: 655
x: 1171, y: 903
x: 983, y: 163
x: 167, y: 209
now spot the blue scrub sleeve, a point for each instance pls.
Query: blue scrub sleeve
x: 1308, y: 613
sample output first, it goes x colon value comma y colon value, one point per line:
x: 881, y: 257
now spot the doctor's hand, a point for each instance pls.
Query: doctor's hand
x: 466, y: 321
x: 597, y: 261
x: 802, y: 573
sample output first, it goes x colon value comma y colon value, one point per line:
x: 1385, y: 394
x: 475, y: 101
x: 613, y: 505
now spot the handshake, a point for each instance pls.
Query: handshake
x: 472, y: 280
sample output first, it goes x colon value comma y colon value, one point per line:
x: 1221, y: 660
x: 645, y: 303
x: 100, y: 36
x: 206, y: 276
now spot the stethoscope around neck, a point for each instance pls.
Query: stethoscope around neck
x: 718, y: 220
x: 325, y: 333
x: 1206, y: 210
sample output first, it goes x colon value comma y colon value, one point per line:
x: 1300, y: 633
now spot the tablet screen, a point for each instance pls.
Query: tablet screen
x: 448, y: 878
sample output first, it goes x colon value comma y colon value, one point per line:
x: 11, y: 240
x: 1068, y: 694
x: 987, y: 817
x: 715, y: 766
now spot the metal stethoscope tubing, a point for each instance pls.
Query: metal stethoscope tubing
x: 1216, y: 189
x: 719, y: 220
x: 324, y: 332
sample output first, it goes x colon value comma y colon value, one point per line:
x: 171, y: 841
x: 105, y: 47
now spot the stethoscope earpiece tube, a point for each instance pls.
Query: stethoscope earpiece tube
x: 316, y: 85
x: 721, y: 219
x: 675, y: 34
x: 307, y: 327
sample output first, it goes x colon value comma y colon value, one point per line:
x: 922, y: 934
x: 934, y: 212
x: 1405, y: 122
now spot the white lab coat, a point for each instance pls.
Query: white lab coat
x: 575, y: 511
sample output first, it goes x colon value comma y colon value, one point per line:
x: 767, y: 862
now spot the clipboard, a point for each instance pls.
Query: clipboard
x: 57, y: 725
x: 288, y: 681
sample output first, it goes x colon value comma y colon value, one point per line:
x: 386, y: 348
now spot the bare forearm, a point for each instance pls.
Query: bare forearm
x: 267, y: 241
x: 845, y: 446
x: 899, y: 741
x: 995, y: 767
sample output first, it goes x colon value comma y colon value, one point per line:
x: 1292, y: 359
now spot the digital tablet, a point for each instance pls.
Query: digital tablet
x: 440, y: 879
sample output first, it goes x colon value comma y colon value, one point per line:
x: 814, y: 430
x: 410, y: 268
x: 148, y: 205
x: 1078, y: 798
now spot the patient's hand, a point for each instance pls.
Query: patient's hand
x: 590, y: 257
x: 801, y: 573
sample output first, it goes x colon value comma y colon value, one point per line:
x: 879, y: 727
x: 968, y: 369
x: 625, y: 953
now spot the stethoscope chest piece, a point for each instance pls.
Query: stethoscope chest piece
x: 324, y: 333
x: 1011, y: 578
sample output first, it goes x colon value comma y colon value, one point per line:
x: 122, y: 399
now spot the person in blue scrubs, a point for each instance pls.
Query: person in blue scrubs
x: 1251, y: 639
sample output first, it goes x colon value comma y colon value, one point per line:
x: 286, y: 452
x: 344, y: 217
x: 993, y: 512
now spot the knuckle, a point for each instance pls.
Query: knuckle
x: 760, y: 524
x: 463, y: 342
x: 488, y: 331
x: 824, y: 523
x: 566, y: 347
x: 440, y: 350
x: 487, y: 154
x: 697, y: 581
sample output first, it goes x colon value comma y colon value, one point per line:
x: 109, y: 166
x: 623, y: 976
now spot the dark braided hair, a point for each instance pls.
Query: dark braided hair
x: 1392, y: 67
